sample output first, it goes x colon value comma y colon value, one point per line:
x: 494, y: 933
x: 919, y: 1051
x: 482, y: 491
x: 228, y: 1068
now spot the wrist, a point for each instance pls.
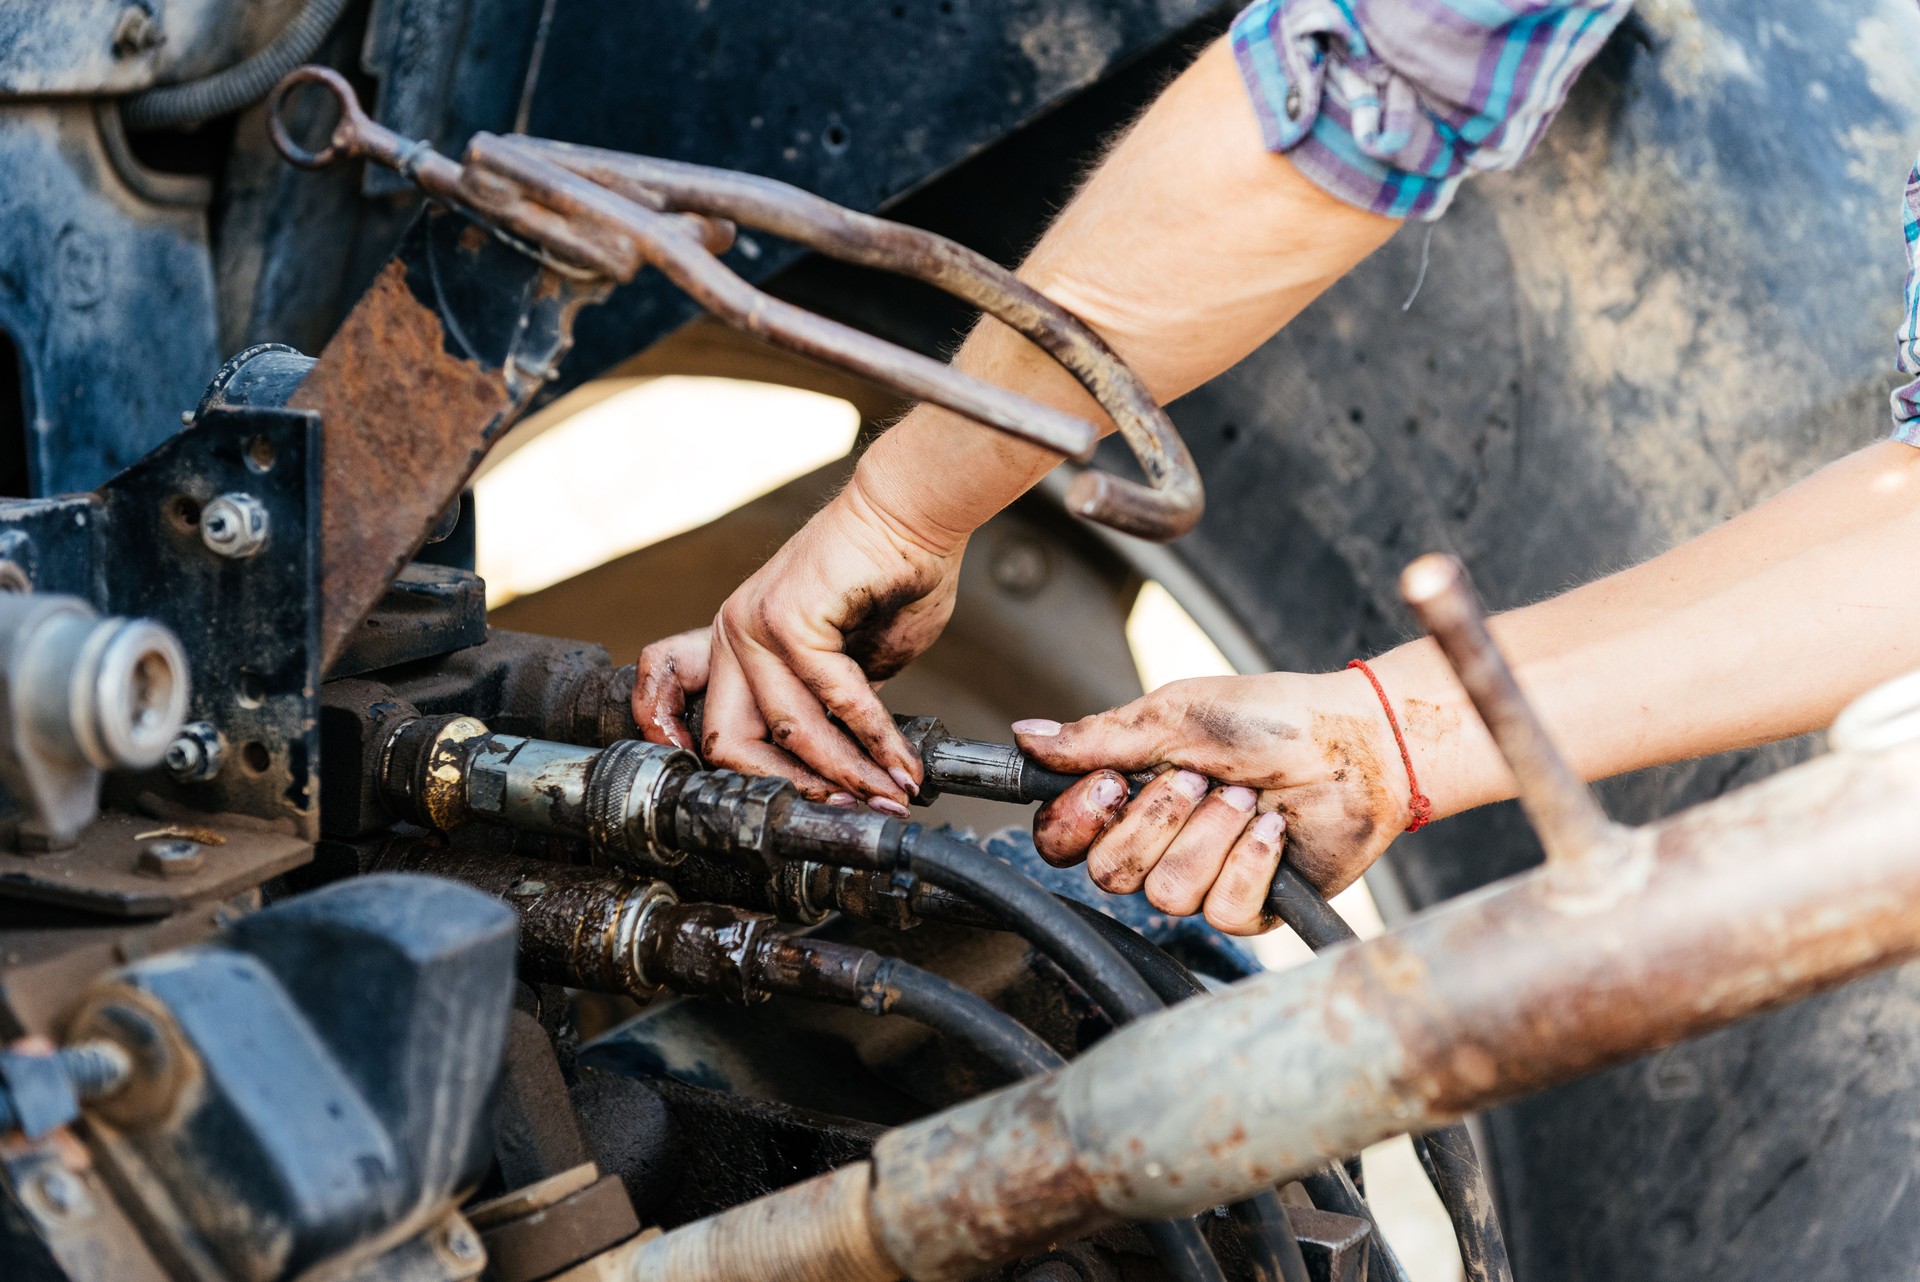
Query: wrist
x: 935, y: 477
x: 1454, y: 758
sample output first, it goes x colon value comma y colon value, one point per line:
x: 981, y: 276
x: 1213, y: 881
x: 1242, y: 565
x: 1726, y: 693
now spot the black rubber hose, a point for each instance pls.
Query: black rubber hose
x: 241, y: 85
x: 1456, y: 1175
x: 900, y: 988
x: 1453, y: 1167
x: 1031, y: 911
x: 1332, y: 1190
x: 1272, y: 1249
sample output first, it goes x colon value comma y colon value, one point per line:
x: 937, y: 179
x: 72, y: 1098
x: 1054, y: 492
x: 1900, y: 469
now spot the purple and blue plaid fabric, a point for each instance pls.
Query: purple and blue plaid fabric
x: 1388, y: 104
x: 1906, y: 397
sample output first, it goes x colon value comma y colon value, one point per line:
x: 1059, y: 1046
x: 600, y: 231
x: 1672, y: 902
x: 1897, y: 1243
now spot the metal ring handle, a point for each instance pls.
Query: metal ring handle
x: 1168, y: 506
x: 347, y: 136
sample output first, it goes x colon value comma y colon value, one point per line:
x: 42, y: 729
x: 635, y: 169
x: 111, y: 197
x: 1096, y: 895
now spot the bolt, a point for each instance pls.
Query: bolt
x: 234, y: 525
x: 462, y: 1242
x: 197, y: 753
x: 171, y: 859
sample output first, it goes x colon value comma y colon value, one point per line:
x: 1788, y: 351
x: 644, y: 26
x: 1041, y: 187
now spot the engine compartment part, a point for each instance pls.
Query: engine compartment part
x: 304, y: 1043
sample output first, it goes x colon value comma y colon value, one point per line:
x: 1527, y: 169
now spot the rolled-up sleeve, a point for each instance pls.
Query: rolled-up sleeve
x: 1388, y: 104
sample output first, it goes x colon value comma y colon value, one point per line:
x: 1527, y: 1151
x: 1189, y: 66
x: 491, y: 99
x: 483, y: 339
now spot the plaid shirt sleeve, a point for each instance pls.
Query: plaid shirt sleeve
x: 1906, y: 398
x: 1388, y: 104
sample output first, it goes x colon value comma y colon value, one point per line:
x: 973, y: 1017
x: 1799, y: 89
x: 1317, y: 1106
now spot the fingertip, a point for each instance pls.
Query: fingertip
x: 1036, y: 728
x: 1270, y: 827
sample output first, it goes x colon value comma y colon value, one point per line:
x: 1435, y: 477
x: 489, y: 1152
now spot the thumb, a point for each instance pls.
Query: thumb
x: 1127, y: 738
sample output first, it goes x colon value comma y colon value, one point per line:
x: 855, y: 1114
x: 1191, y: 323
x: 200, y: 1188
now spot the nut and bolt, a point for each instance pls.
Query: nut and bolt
x: 171, y: 859
x: 197, y: 753
x: 234, y: 525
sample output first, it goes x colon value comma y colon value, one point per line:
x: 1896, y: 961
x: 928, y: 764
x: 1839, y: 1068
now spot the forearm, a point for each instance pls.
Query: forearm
x: 1189, y: 247
x: 1761, y: 629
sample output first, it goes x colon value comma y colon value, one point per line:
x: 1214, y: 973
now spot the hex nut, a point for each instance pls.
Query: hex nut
x: 197, y: 753
x: 234, y: 525
x: 171, y: 859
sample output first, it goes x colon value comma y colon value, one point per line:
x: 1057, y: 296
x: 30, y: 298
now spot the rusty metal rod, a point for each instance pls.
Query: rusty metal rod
x: 1584, y: 848
x: 1762, y: 897
x: 1171, y: 502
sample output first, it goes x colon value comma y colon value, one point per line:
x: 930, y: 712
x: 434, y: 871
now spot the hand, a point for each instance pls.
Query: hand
x: 1255, y: 758
x: 846, y: 603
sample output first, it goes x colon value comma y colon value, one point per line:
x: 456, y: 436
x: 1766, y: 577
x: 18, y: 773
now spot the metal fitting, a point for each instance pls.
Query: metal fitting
x: 626, y: 795
x: 79, y: 695
x: 171, y: 859
x: 423, y: 769
x: 234, y: 525
x: 197, y: 753
x: 532, y: 785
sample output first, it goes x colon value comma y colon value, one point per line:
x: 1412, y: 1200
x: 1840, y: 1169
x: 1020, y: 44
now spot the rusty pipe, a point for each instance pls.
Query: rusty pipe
x: 1764, y: 896
x: 1585, y: 850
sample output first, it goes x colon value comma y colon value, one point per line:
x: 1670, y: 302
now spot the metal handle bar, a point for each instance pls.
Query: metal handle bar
x: 609, y: 214
x: 1166, y: 508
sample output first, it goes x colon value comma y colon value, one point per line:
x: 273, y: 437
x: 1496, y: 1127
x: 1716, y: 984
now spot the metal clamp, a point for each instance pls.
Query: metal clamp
x: 608, y: 213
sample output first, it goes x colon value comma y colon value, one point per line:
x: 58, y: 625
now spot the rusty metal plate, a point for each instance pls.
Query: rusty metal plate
x: 456, y: 334
x: 100, y: 874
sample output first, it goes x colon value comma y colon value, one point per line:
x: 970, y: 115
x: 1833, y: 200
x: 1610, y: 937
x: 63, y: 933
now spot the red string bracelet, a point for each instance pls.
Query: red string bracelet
x: 1419, y: 805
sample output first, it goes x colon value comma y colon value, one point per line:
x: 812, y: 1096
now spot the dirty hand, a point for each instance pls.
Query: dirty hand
x: 846, y: 603
x: 1256, y: 759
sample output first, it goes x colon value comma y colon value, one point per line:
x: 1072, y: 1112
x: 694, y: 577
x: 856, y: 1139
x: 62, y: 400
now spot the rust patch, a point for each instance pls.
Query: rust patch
x: 405, y: 423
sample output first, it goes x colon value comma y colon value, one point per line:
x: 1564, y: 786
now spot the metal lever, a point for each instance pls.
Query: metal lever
x: 608, y: 214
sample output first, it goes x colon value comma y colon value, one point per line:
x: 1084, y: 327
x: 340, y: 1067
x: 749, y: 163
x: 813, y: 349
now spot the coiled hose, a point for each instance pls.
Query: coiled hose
x: 1077, y: 948
x: 241, y: 85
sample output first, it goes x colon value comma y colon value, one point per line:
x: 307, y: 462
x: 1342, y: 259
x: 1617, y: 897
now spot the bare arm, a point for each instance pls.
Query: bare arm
x: 1760, y: 629
x: 1188, y: 247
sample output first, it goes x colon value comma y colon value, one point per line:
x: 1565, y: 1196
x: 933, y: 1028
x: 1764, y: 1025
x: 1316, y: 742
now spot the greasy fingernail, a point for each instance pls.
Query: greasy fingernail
x: 1190, y: 785
x: 1106, y: 792
x: 887, y: 806
x: 846, y: 800
x: 1239, y: 798
x: 905, y: 780
x: 1269, y: 826
x: 1037, y: 726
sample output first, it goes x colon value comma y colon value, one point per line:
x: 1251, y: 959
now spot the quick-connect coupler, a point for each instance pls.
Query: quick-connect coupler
x: 637, y: 804
x: 447, y: 771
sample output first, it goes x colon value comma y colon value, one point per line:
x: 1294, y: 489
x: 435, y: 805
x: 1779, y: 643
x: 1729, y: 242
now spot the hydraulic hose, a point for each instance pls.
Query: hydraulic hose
x: 899, y: 988
x: 823, y: 969
x: 1031, y: 910
x: 241, y: 85
x: 1089, y: 960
